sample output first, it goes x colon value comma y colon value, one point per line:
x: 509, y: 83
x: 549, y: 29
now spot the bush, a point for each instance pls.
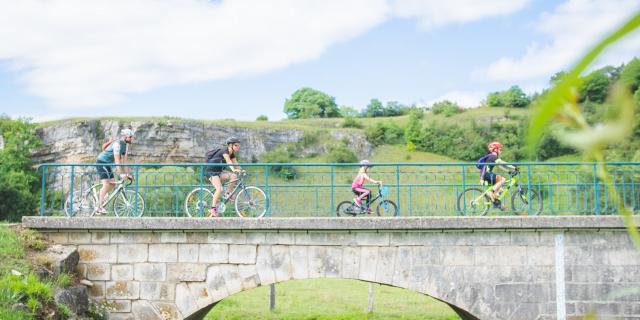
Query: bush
x: 280, y: 155
x: 446, y: 107
x: 384, y: 133
x: 262, y: 117
x: 351, y: 122
x: 341, y: 154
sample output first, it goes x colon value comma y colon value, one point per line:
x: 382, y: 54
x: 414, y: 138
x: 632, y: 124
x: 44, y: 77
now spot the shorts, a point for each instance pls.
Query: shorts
x: 358, y: 193
x: 105, y: 171
x: 213, y: 171
x: 490, y: 177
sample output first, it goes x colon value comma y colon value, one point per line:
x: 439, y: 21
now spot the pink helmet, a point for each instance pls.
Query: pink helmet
x: 365, y: 163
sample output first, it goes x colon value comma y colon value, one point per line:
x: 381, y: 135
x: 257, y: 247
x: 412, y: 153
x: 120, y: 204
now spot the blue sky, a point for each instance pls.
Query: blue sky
x: 240, y: 59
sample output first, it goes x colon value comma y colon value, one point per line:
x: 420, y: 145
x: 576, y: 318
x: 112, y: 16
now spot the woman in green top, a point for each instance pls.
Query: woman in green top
x: 116, y: 152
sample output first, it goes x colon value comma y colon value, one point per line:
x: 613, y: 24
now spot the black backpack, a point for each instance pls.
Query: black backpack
x: 212, y: 155
x: 481, y: 162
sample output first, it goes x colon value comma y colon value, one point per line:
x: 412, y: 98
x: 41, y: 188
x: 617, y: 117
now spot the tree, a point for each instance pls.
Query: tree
x: 262, y: 117
x: 445, y: 107
x: 413, y: 131
x: 630, y: 75
x: 349, y: 111
x: 595, y: 86
x: 310, y: 103
x: 18, y: 180
x: 373, y: 109
x: 515, y: 98
x: 494, y: 99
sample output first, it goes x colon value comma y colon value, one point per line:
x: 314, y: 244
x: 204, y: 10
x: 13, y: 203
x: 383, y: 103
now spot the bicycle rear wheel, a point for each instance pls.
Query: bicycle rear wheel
x: 387, y: 208
x: 473, y: 202
x: 251, y: 202
x: 128, y: 204
x: 526, y: 202
x: 198, y: 202
x: 82, y: 203
x: 345, y: 209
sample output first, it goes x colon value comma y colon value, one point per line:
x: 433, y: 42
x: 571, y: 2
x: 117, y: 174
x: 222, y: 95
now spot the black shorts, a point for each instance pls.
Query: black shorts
x: 213, y: 171
x: 490, y: 177
x: 105, y: 171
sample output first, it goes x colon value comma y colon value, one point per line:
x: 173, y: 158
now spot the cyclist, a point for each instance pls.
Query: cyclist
x: 216, y: 175
x: 358, y: 183
x: 493, y: 156
x: 116, y: 152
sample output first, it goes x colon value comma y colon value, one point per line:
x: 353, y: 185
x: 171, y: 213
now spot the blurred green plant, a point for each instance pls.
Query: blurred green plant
x: 559, y: 107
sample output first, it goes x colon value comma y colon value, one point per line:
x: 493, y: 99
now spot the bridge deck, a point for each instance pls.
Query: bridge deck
x: 408, y: 223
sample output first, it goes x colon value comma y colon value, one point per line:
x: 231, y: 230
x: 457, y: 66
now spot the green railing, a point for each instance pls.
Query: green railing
x: 314, y: 190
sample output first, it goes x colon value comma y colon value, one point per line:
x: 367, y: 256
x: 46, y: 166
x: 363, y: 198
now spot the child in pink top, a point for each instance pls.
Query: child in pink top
x: 358, y: 183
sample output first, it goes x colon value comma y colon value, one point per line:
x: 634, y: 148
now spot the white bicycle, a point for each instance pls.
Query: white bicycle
x: 125, y: 202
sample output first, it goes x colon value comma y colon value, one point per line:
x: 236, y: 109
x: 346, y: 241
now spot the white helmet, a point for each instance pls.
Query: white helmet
x: 127, y: 133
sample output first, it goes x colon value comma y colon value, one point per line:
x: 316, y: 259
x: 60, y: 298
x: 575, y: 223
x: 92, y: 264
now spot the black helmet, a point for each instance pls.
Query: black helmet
x: 231, y: 140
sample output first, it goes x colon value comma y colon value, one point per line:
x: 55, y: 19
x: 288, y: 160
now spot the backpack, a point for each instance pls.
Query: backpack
x: 107, y: 144
x: 210, y: 155
x: 481, y: 162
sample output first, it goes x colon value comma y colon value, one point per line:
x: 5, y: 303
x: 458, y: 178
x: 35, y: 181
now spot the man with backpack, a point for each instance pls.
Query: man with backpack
x: 486, y: 164
x: 116, y: 151
x: 216, y: 175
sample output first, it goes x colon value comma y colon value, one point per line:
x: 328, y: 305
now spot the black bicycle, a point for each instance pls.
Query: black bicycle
x: 386, y: 208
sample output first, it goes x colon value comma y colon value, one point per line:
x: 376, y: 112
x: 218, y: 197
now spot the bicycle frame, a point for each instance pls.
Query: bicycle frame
x: 509, y: 182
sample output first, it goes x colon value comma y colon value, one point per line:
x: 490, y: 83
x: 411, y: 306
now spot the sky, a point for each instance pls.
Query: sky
x: 243, y: 58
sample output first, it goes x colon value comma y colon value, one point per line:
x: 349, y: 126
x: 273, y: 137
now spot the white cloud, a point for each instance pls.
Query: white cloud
x: 435, y: 13
x: 573, y: 28
x: 78, y: 53
x: 465, y: 99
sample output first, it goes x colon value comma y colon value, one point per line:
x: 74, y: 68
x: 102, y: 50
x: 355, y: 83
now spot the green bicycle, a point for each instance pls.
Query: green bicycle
x: 475, y: 202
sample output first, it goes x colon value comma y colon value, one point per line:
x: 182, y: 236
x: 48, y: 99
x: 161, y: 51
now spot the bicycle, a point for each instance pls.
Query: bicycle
x: 85, y: 202
x: 384, y: 208
x: 474, y: 201
x: 250, y: 201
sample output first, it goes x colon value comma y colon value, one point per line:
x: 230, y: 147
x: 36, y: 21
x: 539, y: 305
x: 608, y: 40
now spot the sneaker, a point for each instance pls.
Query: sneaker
x: 213, y: 212
x: 369, y: 211
x: 100, y: 211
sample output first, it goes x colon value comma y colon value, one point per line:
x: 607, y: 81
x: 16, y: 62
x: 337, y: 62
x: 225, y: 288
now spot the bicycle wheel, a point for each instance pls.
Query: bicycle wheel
x: 128, y: 203
x: 251, y: 202
x: 387, y: 208
x: 473, y: 202
x: 198, y: 202
x: 84, y: 203
x: 526, y: 202
x: 345, y: 209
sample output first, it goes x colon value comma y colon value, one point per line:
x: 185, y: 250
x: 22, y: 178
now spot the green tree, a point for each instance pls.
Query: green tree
x: 348, y: 111
x: 375, y: 108
x: 262, y: 117
x: 595, y: 87
x: 445, y: 107
x: 18, y: 180
x: 310, y: 103
x: 412, y: 134
x: 515, y: 98
x: 494, y: 99
x: 630, y: 75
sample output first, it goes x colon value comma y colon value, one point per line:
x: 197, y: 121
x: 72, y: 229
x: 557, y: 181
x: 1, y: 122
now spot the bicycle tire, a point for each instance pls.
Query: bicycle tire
x: 521, y: 199
x: 468, y: 202
x: 197, y: 206
x: 125, y: 204
x: 387, y: 208
x: 344, y: 209
x: 251, y: 202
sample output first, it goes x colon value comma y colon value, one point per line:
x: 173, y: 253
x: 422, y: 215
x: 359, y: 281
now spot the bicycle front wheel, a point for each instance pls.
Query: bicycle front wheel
x: 526, y: 202
x: 198, y: 202
x: 128, y: 204
x: 251, y: 202
x: 473, y: 202
x: 387, y: 208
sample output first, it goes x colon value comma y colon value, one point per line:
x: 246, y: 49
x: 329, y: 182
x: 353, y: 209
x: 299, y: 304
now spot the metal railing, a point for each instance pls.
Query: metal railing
x: 314, y: 190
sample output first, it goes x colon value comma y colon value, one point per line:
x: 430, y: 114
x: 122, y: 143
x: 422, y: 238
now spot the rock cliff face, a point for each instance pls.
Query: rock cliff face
x: 179, y: 141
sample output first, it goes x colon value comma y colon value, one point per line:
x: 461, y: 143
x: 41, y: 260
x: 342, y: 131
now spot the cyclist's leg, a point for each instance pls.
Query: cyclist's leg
x: 232, y: 177
x: 217, y: 185
x: 362, y: 193
x: 106, y: 178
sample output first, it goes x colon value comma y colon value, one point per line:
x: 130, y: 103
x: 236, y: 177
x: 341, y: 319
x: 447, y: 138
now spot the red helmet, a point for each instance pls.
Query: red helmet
x: 495, y: 145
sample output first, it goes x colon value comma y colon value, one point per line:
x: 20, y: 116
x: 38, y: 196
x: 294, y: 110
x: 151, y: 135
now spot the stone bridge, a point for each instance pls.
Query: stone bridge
x: 484, y: 268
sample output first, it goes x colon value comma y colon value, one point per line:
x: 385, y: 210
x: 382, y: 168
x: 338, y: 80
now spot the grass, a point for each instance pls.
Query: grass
x: 331, y: 299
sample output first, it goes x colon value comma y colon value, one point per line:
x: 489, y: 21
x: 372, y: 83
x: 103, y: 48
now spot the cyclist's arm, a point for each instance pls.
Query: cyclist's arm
x: 120, y: 160
x: 231, y: 162
x: 502, y: 164
x: 366, y: 177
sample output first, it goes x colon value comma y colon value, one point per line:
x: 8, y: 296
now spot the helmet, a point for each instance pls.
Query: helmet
x: 127, y: 132
x: 231, y: 140
x: 495, y: 145
x: 365, y: 163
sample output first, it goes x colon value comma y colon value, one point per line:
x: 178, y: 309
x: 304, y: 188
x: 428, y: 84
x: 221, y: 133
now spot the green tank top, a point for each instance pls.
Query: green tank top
x: 107, y: 155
